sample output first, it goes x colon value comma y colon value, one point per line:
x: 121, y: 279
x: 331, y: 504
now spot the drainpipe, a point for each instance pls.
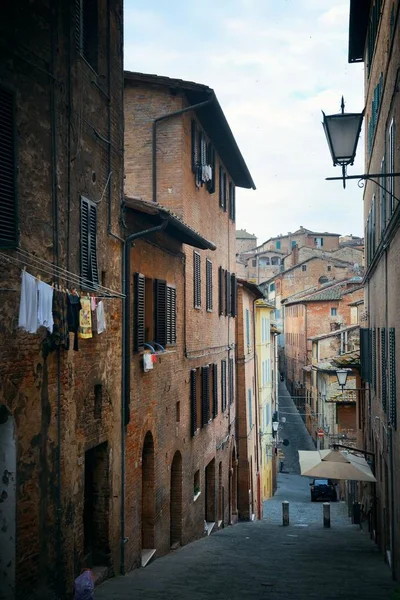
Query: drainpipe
x: 126, y: 360
x: 154, y: 135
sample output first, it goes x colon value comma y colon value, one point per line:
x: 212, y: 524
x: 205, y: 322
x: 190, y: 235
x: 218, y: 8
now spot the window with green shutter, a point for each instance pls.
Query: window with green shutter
x: 197, y: 279
x: 193, y: 401
x: 8, y: 197
x: 221, y: 281
x: 138, y: 312
x: 232, y: 201
x: 392, y: 378
x: 373, y: 347
x: 227, y: 293
x: 88, y: 242
x: 233, y: 295
x: 209, y: 286
x: 383, y: 368
x: 205, y: 395
x: 223, y: 385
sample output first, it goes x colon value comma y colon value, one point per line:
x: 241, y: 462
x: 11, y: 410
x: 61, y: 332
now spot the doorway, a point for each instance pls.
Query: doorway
x: 96, y: 506
x: 148, y: 493
x: 176, y: 500
x: 8, y: 467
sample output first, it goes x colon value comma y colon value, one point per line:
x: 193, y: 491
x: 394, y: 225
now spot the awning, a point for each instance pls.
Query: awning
x: 334, y: 464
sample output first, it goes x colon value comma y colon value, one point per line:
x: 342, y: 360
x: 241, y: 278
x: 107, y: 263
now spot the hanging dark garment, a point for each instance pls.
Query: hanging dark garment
x: 73, y: 309
x: 60, y: 333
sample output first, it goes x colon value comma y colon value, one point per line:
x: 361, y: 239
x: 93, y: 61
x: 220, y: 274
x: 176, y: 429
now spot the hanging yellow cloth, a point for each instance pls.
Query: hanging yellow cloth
x: 85, y: 319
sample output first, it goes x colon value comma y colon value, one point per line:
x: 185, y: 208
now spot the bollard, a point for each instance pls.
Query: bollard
x: 327, y: 514
x: 285, y: 513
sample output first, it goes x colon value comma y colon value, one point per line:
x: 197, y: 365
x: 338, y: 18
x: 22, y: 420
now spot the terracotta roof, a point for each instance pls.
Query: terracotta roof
x: 176, y: 226
x: 252, y: 287
x: 242, y: 234
x: 335, y: 291
x: 211, y: 117
x: 347, y: 359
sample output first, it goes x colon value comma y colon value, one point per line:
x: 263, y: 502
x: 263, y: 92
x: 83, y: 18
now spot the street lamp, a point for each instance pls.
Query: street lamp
x: 342, y: 131
x: 341, y: 375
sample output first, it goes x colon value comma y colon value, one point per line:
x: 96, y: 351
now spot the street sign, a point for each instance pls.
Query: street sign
x: 320, y: 433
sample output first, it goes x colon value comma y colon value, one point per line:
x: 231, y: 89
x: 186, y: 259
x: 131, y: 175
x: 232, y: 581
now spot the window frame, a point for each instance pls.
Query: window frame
x: 196, y: 280
x: 209, y: 285
x: 91, y: 61
x: 91, y: 277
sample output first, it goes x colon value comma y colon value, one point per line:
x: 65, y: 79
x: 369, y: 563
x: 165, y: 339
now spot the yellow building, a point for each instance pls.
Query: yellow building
x: 267, y: 386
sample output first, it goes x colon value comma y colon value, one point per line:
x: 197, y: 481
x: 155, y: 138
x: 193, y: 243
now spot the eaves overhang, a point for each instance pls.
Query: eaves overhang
x: 358, y: 27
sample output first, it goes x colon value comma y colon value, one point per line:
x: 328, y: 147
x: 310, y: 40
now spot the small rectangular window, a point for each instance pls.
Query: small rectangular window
x: 333, y: 312
x: 233, y: 295
x: 278, y: 245
x: 254, y: 262
x: 197, y: 279
x: 86, y: 19
x: 232, y: 201
x: 319, y: 242
x: 329, y: 268
x: 304, y: 267
x: 223, y: 385
x: 214, y: 390
x: 205, y: 395
x: 209, y: 285
x: 8, y: 200
x: 88, y: 226
x: 171, y: 315
x: 222, y: 188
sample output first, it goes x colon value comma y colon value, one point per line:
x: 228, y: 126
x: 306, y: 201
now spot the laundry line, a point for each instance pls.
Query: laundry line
x: 44, y: 266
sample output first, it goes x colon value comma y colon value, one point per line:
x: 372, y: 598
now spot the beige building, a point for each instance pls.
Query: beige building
x: 375, y: 40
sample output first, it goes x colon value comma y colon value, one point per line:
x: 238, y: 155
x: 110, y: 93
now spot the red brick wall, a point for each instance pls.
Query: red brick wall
x: 30, y: 385
x: 202, y: 337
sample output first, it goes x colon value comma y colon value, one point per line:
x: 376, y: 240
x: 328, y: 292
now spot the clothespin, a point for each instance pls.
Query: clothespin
x: 24, y: 268
x: 38, y: 277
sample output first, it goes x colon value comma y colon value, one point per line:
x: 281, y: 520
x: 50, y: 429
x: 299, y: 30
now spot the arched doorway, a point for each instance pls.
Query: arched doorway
x: 176, y: 500
x: 148, y: 493
x: 8, y: 466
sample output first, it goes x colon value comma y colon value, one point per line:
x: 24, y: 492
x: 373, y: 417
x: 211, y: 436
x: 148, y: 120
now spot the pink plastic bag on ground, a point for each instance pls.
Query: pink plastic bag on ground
x: 84, y: 586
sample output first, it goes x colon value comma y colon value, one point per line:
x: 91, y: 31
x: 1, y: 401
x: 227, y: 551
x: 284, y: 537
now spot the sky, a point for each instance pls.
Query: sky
x: 274, y: 65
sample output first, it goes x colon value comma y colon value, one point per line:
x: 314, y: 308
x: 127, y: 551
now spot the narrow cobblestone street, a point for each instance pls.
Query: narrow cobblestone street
x: 265, y: 560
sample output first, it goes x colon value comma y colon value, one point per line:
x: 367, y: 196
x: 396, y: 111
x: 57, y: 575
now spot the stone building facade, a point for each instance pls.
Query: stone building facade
x: 375, y: 40
x: 181, y: 157
x: 61, y: 83
x: 248, y: 411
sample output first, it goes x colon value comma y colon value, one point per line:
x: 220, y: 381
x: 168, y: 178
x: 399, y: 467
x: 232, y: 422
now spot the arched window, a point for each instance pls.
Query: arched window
x: 275, y: 260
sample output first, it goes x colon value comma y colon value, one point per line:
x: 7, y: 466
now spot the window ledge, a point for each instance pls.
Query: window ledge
x: 196, y: 496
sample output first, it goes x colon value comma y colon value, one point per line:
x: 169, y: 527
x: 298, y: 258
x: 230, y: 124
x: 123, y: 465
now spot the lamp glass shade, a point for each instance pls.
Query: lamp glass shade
x: 342, y: 132
x: 275, y: 425
x: 341, y: 375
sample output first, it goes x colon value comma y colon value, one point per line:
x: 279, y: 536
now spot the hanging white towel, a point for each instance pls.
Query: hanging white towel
x: 28, y: 308
x: 45, y: 306
x: 101, y: 317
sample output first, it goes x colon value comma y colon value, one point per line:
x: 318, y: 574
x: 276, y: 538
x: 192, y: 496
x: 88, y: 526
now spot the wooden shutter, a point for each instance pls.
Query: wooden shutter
x: 221, y: 290
x: 160, y: 289
x: 195, y: 158
x: 231, y: 387
x: 193, y: 402
x: 139, y: 312
x: 365, y: 354
x: 209, y: 285
x: 171, y: 315
x: 223, y: 385
x: 85, y: 249
x: 8, y: 201
x: 232, y: 201
x: 392, y: 378
x: 205, y: 396
x: 197, y: 279
x: 211, y: 162
x: 233, y: 295
x: 215, y: 390
x: 221, y: 187
x: 373, y: 355
x: 202, y: 149
x: 94, y: 270
x: 383, y: 368
x: 227, y: 293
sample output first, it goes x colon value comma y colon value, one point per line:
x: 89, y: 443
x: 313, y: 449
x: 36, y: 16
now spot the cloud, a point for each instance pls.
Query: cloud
x: 274, y: 66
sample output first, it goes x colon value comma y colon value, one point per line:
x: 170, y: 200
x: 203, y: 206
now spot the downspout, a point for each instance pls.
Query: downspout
x: 154, y: 135
x: 126, y: 360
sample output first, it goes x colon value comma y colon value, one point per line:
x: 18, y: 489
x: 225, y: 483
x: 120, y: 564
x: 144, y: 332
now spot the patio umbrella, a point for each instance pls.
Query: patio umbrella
x: 333, y: 464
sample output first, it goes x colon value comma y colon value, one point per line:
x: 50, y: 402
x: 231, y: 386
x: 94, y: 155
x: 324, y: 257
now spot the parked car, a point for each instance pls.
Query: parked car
x: 323, y: 488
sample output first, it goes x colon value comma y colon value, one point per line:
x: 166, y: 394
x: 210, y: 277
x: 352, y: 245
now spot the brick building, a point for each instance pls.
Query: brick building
x: 374, y: 38
x: 308, y: 315
x: 247, y: 408
x: 245, y: 241
x: 181, y: 471
x: 301, y: 237
x: 61, y: 179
